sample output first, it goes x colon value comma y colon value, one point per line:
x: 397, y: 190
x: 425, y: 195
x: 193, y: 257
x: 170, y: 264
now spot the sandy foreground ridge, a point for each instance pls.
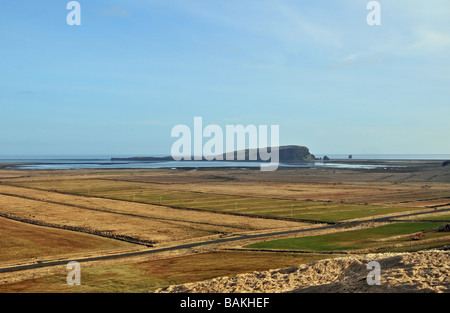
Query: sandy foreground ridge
x: 426, y: 271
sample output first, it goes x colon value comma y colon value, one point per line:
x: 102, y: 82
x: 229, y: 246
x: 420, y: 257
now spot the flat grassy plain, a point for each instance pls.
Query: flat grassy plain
x: 138, y: 276
x: 159, y: 225
x: 156, y: 194
x: 21, y: 242
x: 117, y: 211
x: 376, y: 237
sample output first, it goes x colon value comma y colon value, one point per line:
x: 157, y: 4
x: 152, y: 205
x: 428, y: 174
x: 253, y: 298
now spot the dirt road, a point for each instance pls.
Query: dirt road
x: 212, y: 242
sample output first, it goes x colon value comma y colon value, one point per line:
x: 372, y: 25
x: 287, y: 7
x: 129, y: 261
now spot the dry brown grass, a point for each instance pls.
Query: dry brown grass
x: 400, y: 272
x: 143, y: 221
x: 169, y: 226
x: 143, y: 274
x: 24, y: 243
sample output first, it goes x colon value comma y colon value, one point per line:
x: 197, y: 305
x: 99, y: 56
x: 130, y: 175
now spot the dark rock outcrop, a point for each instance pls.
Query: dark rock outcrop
x: 287, y: 154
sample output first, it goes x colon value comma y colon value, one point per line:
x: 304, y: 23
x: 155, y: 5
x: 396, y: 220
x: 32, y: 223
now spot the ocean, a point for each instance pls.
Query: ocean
x: 58, y: 162
x: 387, y: 156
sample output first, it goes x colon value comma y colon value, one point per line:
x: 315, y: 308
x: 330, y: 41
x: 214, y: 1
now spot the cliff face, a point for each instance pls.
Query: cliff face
x: 290, y: 154
x: 287, y: 154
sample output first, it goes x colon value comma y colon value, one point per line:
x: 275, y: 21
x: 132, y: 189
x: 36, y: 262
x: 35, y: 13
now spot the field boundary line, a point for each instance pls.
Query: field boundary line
x: 179, y: 208
x: 129, y: 239
x: 119, y: 213
x: 202, y: 243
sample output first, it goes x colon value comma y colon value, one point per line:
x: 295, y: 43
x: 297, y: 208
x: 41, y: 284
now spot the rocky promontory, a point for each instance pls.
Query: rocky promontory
x: 287, y: 154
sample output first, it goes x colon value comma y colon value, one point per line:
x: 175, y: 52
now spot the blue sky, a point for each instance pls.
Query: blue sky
x: 134, y: 69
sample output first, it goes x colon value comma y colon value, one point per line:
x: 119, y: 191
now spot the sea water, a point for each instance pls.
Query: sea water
x: 56, y: 162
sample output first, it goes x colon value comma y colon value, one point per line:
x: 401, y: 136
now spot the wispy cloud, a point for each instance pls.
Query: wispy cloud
x: 116, y: 12
x: 294, y: 26
x: 431, y: 41
x: 25, y: 92
x: 279, y: 21
x: 346, y: 61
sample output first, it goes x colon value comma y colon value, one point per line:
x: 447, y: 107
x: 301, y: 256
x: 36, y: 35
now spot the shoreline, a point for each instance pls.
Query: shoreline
x: 351, y: 164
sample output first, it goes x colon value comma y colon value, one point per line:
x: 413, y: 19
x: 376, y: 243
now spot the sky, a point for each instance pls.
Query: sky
x: 119, y: 82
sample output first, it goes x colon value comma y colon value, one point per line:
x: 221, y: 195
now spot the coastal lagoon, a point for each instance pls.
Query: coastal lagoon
x: 104, y: 162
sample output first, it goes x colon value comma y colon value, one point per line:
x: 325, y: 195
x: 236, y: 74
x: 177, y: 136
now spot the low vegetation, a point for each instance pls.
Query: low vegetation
x: 224, y: 203
x: 370, y: 238
x: 172, y: 207
x: 144, y: 276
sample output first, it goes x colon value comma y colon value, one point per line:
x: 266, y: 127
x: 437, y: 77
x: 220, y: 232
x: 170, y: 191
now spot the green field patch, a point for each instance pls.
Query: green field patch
x: 347, y: 240
x: 256, y: 206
